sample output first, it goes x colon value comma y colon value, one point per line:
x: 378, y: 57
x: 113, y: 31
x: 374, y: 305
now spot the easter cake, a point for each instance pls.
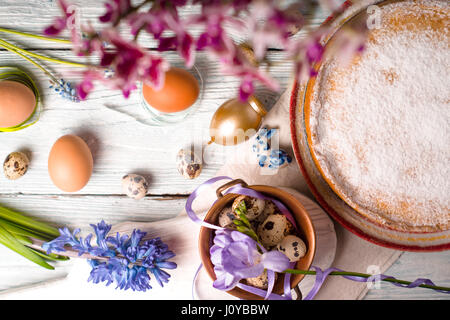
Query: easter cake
x: 378, y: 126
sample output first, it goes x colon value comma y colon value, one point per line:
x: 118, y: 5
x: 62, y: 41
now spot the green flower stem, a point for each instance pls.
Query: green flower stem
x: 364, y: 275
x: 7, y: 47
x: 35, y: 36
x: 41, y: 57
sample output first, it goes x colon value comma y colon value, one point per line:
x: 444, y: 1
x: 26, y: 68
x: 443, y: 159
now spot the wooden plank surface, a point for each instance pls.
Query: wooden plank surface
x: 118, y: 132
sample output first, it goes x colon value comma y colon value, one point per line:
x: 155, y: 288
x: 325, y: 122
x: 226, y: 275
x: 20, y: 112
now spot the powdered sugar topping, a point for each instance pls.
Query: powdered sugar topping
x: 381, y: 126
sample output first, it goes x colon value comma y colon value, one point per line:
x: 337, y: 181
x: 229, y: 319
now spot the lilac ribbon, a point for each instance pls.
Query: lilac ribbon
x: 321, y: 276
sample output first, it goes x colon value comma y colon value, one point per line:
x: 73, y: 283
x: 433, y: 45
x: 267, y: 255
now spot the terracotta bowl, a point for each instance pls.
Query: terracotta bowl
x: 305, y: 231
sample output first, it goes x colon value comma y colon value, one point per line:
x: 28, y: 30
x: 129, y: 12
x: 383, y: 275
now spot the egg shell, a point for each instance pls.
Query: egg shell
x: 293, y: 247
x: 70, y: 163
x: 179, y: 91
x: 274, y: 229
x: 134, y: 186
x: 17, y: 103
x: 15, y: 165
x: 254, y: 206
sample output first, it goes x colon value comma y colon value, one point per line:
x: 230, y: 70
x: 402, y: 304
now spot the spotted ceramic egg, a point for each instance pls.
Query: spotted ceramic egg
x: 261, y: 281
x: 189, y: 164
x: 134, y: 186
x: 293, y: 247
x: 254, y: 206
x: 226, y: 217
x: 15, y: 165
x: 274, y: 229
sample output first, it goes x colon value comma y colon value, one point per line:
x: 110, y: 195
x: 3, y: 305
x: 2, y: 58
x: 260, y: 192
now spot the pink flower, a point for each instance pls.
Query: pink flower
x: 60, y: 23
x: 269, y: 26
x: 152, y: 21
x: 267, y: 22
x: 114, y: 10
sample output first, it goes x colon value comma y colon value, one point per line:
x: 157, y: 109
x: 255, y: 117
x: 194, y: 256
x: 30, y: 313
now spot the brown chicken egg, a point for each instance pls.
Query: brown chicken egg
x: 180, y: 91
x: 17, y: 103
x: 70, y: 163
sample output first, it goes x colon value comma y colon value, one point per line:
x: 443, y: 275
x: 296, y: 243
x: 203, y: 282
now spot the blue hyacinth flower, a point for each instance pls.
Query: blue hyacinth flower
x: 127, y: 261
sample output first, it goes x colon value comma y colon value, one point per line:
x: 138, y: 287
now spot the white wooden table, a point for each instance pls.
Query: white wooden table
x: 115, y: 129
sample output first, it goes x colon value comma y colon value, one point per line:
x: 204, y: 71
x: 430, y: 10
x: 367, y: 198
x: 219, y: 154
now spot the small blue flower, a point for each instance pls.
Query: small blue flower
x: 127, y: 261
x: 65, y: 90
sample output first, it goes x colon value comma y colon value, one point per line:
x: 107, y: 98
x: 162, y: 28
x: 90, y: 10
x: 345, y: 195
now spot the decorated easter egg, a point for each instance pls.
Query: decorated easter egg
x: 15, y: 165
x: 17, y: 103
x: 293, y: 247
x: 70, y: 163
x: 134, y: 186
x: 179, y: 91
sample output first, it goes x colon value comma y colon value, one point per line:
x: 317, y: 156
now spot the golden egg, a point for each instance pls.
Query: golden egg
x: 17, y: 103
x: 70, y: 163
x: 236, y: 121
x: 180, y: 91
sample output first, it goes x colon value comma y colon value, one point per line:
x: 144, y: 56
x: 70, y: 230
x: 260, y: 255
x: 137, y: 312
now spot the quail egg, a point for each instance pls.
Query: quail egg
x: 135, y: 186
x: 15, y: 165
x: 293, y: 247
x: 261, y: 281
x: 226, y: 218
x: 189, y: 164
x: 269, y: 209
x: 254, y: 206
x: 274, y: 229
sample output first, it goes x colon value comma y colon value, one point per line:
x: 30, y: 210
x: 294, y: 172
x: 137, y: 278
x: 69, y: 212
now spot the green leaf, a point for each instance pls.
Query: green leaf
x: 242, y: 229
x: 8, y: 240
x: 23, y: 240
x: 238, y: 222
x: 29, y: 223
x: 51, y: 256
x: 23, y: 231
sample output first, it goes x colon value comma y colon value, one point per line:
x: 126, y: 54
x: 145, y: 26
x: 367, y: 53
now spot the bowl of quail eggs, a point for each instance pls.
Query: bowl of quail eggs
x: 273, y: 229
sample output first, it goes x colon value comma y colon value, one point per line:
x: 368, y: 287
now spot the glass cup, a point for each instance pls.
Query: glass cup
x: 160, y: 118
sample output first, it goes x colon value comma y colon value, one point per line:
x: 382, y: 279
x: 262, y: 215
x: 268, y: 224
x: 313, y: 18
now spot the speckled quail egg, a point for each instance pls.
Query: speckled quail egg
x: 269, y: 209
x: 189, y: 164
x: 254, y: 206
x: 135, y: 186
x: 274, y: 229
x: 15, y: 165
x: 226, y: 218
x: 261, y: 281
x: 293, y: 247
